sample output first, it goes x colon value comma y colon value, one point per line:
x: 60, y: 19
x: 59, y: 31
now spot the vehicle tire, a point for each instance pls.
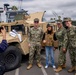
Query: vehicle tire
x: 12, y: 58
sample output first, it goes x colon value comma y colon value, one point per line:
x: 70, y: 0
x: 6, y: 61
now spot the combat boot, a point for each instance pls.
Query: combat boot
x: 29, y: 66
x: 58, y: 69
x: 63, y: 66
x: 71, y: 69
x: 39, y: 65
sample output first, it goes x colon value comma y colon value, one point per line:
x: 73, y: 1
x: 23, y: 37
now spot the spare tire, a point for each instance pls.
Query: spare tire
x: 12, y: 57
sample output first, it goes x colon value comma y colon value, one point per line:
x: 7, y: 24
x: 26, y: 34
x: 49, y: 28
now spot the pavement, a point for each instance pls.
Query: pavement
x: 41, y: 71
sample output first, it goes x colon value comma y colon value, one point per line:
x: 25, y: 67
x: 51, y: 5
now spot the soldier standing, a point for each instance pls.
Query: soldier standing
x: 35, y: 38
x: 71, y: 34
x: 60, y: 35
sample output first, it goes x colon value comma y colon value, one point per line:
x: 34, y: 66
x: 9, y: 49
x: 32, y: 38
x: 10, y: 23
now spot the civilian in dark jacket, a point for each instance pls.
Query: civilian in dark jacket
x: 3, y: 46
x: 48, y: 40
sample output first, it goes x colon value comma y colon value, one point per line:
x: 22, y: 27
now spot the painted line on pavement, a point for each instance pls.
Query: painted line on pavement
x: 17, y: 72
x: 43, y: 70
x: 53, y: 69
x: 56, y: 73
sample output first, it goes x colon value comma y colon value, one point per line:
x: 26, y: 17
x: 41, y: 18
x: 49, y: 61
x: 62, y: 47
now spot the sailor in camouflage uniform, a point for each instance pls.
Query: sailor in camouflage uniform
x: 35, y: 38
x: 71, y: 34
x: 60, y: 35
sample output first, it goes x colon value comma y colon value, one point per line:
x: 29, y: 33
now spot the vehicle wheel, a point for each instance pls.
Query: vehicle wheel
x: 12, y: 57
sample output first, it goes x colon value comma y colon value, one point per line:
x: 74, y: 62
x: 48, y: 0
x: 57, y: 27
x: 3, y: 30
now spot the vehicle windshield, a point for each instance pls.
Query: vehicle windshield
x: 18, y: 28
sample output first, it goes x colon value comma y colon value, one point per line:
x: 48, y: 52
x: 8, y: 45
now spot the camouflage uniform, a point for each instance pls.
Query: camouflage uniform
x: 71, y: 34
x: 35, y: 37
x: 60, y: 34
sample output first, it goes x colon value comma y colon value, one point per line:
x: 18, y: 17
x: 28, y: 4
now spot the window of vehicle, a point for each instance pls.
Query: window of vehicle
x: 18, y: 28
x: 9, y: 21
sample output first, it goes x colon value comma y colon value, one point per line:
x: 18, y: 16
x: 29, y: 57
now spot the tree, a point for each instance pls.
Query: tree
x: 51, y: 19
x: 59, y: 17
x: 14, y: 8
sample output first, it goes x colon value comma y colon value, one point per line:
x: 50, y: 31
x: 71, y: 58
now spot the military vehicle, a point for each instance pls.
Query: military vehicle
x: 18, y: 44
x: 18, y: 40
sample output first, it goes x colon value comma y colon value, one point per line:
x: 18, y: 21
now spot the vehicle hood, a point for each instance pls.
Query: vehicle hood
x: 9, y: 38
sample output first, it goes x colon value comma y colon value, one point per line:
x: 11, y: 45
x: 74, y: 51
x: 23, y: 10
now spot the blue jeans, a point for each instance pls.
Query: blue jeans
x: 49, y: 55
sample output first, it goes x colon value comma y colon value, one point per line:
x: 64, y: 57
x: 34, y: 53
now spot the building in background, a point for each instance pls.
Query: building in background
x: 1, y: 11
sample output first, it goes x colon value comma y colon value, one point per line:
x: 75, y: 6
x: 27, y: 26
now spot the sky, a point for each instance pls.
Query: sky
x: 53, y: 8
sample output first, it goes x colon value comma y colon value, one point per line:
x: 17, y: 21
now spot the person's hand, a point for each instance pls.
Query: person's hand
x: 44, y: 41
x: 29, y: 44
x: 54, y: 48
x: 64, y: 50
x: 3, y: 31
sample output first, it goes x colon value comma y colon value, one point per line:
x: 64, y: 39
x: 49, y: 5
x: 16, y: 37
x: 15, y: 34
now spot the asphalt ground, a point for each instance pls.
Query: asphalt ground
x: 41, y: 71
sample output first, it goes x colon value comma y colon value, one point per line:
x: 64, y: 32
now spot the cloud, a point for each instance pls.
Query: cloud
x: 23, y: 0
x: 68, y: 5
x: 60, y: 7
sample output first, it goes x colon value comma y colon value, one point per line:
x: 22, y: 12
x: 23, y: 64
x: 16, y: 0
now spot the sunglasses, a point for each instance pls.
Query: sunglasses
x: 66, y: 21
x: 36, y: 21
x: 58, y: 23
